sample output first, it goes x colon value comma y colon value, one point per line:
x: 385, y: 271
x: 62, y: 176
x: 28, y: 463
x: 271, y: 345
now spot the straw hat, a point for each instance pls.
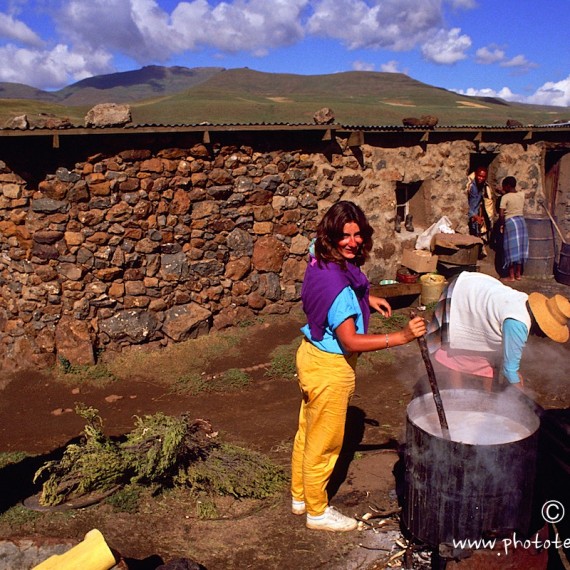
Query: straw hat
x: 551, y: 315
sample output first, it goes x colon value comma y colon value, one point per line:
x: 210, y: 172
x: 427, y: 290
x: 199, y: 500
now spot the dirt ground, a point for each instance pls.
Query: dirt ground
x: 36, y: 417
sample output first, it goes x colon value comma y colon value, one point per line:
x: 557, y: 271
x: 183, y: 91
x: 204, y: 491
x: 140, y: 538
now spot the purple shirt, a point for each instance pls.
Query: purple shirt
x: 322, y: 283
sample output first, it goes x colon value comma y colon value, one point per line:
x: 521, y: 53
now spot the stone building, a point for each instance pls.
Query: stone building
x: 113, y: 237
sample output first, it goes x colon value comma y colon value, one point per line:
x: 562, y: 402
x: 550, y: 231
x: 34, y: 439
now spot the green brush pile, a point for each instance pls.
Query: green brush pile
x: 161, y: 452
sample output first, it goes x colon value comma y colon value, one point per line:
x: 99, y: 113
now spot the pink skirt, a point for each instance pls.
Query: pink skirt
x: 466, y: 362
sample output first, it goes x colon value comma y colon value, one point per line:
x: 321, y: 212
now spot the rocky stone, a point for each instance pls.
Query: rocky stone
x: 73, y: 341
x: 424, y: 121
x: 268, y: 254
x: 188, y: 321
x: 324, y: 116
x: 20, y: 122
x: 134, y: 326
x: 240, y: 243
x: 238, y: 268
x: 108, y: 115
x: 49, y: 206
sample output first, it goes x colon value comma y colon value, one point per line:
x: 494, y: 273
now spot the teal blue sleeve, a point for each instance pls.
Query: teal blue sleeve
x: 515, y: 335
x: 345, y: 306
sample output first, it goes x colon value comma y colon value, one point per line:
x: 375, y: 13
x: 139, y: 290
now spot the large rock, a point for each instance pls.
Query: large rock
x: 19, y: 122
x: 269, y: 254
x: 108, y: 115
x: 134, y: 326
x: 186, y: 321
x: 73, y: 342
x: 324, y: 116
x: 424, y: 121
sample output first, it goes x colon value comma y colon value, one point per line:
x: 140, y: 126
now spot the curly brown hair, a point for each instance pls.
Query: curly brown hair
x: 331, y: 230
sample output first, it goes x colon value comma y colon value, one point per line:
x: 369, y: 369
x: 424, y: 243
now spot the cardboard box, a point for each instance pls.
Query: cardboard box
x: 457, y: 249
x: 419, y: 260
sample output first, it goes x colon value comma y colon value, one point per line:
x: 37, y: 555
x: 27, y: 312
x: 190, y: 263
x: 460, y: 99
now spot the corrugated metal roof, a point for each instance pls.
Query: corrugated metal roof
x: 263, y: 126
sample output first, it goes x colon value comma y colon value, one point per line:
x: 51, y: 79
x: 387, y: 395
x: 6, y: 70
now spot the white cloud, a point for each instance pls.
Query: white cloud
x: 388, y: 24
x: 505, y: 93
x: 446, y: 47
x: 488, y: 55
x: 467, y: 4
x: 519, y: 61
x: 552, y: 93
x: 362, y: 66
x: 145, y: 32
x: 50, y: 69
x: 390, y: 67
x: 14, y: 30
x: 495, y: 54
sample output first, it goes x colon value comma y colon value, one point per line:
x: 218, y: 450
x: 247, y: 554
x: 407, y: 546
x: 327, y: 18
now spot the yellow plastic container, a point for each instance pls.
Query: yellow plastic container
x: 91, y: 554
x: 432, y: 287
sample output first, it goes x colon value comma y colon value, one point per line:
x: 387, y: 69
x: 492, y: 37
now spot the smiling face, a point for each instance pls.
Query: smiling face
x: 349, y: 245
x: 480, y: 176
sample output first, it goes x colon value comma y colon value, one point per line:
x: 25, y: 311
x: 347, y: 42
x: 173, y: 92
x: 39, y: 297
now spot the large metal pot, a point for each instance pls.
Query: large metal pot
x: 481, y: 480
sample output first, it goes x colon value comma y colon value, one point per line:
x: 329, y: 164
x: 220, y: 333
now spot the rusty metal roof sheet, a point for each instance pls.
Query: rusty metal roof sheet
x: 263, y: 126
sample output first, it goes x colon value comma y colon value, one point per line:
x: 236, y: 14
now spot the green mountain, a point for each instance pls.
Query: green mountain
x: 179, y: 95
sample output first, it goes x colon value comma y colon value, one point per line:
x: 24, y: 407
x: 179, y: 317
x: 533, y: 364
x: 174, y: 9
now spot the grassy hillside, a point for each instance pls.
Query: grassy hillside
x: 357, y: 98
x: 182, y: 96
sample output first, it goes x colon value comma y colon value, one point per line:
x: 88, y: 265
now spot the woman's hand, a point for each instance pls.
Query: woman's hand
x: 381, y: 305
x: 415, y: 328
x: 352, y: 341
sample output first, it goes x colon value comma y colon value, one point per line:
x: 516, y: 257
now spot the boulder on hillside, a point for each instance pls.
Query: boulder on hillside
x: 108, y: 115
x: 514, y: 123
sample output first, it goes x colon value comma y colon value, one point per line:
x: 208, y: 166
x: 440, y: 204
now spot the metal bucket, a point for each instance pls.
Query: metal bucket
x: 540, y: 247
x: 455, y: 490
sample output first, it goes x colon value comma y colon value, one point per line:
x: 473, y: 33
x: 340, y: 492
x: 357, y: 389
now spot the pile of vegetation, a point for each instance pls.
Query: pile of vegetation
x: 161, y: 452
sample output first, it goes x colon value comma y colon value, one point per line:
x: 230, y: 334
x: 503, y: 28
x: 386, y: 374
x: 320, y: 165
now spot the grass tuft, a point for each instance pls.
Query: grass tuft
x: 283, y: 361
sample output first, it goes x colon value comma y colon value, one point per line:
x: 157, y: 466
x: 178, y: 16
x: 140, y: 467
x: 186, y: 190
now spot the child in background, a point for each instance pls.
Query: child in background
x: 515, y: 234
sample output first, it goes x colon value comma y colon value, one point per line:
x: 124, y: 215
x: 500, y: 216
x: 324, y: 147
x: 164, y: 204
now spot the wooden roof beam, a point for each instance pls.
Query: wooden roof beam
x: 356, y: 138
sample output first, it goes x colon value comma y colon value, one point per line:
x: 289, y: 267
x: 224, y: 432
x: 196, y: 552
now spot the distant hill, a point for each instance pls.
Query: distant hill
x: 180, y: 95
x: 125, y: 87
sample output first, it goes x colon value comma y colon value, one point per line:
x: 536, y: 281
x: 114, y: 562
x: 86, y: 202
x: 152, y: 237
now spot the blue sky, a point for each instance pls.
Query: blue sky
x: 515, y: 49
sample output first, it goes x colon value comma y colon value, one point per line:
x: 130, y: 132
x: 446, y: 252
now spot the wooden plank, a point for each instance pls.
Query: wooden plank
x: 396, y: 289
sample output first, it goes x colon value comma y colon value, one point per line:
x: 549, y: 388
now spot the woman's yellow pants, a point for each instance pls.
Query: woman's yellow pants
x: 327, y: 384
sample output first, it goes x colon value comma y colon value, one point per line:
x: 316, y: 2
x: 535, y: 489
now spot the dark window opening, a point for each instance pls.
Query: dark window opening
x: 410, y: 201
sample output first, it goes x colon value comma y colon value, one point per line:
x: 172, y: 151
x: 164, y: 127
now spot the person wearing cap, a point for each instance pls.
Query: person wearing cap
x: 480, y: 327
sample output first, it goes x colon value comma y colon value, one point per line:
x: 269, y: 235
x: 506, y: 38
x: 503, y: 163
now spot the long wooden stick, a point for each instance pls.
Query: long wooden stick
x: 553, y: 222
x: 433, y: 384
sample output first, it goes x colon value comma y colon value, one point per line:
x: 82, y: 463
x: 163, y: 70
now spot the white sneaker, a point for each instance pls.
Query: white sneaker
x: 331, y: 520
x: 298, y: 507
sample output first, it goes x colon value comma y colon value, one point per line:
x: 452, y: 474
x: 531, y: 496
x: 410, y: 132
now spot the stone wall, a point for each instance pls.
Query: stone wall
x: 157, y: 248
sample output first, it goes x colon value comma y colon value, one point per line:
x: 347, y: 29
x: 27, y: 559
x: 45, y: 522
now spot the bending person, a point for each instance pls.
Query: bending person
x: 336, y: 302
x: 480, y: 327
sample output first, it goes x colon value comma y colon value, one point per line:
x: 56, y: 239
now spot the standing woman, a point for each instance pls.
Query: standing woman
x: 515, y: 235
x: 336, y: 302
